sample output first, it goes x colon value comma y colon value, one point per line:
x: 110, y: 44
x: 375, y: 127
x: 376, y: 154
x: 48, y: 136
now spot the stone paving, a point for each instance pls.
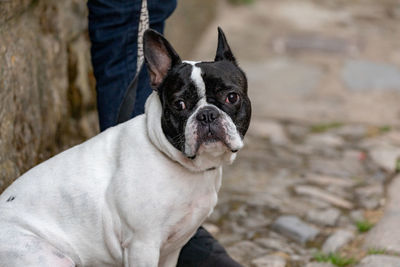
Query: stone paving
x: 316, y: 192
x: 316, y: 184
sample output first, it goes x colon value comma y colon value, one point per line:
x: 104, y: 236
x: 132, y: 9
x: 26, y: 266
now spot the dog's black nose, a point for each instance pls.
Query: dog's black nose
x: 207, y: 115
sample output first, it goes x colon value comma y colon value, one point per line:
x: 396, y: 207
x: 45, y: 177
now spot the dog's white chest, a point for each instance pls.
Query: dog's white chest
x: 198, y: 197
x: 191, y: 215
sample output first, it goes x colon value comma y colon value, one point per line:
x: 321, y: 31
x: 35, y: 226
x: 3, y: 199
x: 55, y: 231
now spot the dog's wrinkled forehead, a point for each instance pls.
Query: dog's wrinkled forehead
x: 179, y: 85
x: 199, y: 80
x: 222, y: 75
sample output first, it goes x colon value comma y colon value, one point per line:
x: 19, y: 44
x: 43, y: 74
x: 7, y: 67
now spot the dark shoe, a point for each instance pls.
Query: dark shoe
x: 203, y: 250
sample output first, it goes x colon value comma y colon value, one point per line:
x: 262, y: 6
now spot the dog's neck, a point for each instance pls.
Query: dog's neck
x: 203, y: 162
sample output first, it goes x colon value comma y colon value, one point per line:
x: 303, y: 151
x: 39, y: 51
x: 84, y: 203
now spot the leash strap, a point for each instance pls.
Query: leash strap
x: 128, y: 102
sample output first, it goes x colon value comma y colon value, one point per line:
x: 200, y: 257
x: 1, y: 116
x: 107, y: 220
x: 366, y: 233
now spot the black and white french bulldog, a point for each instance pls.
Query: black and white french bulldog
x: 134, y: 194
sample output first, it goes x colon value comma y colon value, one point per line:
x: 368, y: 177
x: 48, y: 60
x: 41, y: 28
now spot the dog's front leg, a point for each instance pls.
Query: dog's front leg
x: 141, y: 254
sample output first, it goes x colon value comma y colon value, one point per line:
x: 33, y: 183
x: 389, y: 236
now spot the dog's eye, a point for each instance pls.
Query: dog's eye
x: 180, y: 105
x: 232, y: 98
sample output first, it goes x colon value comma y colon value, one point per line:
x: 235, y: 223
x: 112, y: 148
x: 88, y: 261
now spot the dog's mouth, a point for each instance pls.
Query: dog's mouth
x: 214, y: 141
x: 211, y: 137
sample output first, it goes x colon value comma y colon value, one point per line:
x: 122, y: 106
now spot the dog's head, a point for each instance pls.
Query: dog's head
x: 205, y: 108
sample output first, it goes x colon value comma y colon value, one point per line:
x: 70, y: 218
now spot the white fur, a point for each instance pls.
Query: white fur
x: 198, y: 80
x: 125, y: 197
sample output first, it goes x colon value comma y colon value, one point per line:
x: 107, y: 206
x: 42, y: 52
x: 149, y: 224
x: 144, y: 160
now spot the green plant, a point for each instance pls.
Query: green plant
x: 323, y: 127
x: 321, y: 257
x: 364, y: 226
x: 241, y: 2
x: 334, y: 258
x: 385, y: 129
x: 373, y: 251
x: 398, y: 165
x: 339, y: 260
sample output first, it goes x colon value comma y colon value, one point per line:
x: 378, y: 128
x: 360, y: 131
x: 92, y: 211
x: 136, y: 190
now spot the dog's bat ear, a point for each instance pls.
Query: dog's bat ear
x: 160, y: 56
x: 223, y: 50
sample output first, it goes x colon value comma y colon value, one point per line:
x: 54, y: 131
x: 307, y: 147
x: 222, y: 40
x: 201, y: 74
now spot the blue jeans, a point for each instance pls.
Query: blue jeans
x: 113, y: 26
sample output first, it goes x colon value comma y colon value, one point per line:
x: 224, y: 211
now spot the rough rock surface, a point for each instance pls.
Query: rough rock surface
x: 327, y: 217
x: 46, y: 85
x: 337, y: 240
x: 386, y: 234
x: 269, y: 261
x: 380, y: 260
x: 245, y: 250
x: 295, y: 229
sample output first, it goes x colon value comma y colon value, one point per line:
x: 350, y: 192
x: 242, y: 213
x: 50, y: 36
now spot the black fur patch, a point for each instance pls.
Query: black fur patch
x: 222, y: 78
x: 177, y: 86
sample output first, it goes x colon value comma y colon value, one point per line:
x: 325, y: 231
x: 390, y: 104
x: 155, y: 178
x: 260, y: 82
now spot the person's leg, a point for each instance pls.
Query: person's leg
x: 159, y: 11
x: 112, y: 31
x: 113, y: 26
x: 203, y: 250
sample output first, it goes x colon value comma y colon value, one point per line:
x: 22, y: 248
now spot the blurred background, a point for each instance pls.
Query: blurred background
x: 310, y: 187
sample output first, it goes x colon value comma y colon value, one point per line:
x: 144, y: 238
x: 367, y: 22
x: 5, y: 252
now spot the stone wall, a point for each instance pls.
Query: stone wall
x: 47, y: 97
x: 47, y: 100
